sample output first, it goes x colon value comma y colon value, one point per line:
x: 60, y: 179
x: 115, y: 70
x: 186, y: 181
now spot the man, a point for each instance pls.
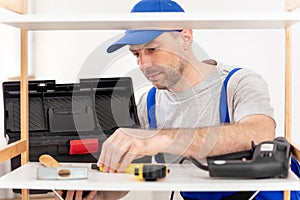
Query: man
x: 187, y: 100
x: 167, y: 60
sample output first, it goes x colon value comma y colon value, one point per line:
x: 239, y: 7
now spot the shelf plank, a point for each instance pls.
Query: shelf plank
x: 184, y: 177
x: 295, y: 151
x: 12, y: 150
x: 211, y: 20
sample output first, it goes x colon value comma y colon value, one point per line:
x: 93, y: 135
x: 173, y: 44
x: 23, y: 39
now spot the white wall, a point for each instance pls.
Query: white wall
x: 296, y: 83
x: 65, y: 55
x: 9, y: 65
x: 68, y: 55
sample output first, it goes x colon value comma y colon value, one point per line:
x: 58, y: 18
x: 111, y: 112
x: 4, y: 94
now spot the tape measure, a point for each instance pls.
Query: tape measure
x: 147, y: 172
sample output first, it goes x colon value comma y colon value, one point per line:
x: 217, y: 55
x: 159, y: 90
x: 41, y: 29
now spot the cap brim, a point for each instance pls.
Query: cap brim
x: 134, y: 37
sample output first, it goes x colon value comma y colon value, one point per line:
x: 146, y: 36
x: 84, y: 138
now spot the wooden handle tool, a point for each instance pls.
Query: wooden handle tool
x: 54, y: 170
x: 49, y: 161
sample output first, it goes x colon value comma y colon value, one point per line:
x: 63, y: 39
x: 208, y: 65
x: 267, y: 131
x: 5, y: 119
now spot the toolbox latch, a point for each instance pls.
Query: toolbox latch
x: 84, y: 146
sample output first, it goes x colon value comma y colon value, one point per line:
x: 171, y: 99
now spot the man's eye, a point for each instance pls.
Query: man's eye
x: 150, y: 50
x: 135, y: 54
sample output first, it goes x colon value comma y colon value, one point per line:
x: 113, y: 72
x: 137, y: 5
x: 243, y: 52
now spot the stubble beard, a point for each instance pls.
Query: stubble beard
x: 173, y: 75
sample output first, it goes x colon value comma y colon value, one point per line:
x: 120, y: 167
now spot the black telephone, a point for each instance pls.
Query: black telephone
x: 269, y: 159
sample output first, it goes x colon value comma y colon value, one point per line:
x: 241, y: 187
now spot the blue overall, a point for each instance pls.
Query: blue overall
x: 224, y: 118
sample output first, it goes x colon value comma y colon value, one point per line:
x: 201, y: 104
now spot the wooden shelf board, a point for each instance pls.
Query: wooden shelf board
x: 209, y: 20
x: 12, y: 150
x: 184, y: 177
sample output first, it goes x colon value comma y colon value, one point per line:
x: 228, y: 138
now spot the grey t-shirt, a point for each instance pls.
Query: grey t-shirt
x: 199, y: 106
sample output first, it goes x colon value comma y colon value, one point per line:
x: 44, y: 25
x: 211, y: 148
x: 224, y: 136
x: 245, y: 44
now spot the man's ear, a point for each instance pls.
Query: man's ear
x: 187, y: 38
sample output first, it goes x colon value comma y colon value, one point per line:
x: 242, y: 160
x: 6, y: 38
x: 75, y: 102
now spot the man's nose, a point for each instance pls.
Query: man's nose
x: 144, y: 61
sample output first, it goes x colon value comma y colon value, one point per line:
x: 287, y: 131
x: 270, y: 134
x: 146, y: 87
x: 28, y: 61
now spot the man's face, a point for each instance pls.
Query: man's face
x: 160, y: 60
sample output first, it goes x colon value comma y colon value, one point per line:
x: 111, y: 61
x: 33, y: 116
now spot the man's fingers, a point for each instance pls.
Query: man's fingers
x: 78, y: 195
x: 117, y: 157
x: 126, y: 160
x: 106, y: 152
x: 70, y: 194
x: 58, y: 192
x: 119, y: 150
x: 105, y: 160
x: 113, y: 151
x: 111, y: 162
x: 103, y: 154
x: 91, y: 195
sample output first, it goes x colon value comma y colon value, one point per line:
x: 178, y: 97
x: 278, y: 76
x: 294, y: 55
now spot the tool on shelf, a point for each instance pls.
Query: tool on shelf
x: 54, y: 170
x: 147, y: 172
x: 268, y: 159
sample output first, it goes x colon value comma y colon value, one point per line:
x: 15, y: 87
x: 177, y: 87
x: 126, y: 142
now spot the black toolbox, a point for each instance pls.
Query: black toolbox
x: 70, y: 121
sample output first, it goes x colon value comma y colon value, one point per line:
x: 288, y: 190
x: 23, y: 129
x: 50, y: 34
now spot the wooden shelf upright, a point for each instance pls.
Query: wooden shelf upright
x: 21, y: 146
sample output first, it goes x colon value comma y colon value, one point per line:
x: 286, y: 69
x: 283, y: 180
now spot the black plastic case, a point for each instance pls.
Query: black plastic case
x: 62, y: 113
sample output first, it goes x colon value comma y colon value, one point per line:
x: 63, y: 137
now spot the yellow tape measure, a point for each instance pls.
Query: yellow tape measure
x: 147, y: 172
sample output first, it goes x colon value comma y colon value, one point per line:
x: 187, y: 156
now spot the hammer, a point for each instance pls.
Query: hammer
x: 53, y: 170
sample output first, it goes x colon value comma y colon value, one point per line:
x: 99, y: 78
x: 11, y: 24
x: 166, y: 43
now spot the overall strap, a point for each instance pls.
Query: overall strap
x: 223, y: 109
x: 274, y: 195
x: 151, y: 108
x: 224, y: 118
x: 159, y: 158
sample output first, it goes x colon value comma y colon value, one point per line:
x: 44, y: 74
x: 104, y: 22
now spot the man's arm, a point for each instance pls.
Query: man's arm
x: 224, y: 139
x: 127, y: 144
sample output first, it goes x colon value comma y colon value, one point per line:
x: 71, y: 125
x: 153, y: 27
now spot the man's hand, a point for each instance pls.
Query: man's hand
x: 126, y: 144
x: 120, y: 149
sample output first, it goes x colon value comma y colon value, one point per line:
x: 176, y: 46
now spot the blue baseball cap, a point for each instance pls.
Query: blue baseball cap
x: 134, y: 37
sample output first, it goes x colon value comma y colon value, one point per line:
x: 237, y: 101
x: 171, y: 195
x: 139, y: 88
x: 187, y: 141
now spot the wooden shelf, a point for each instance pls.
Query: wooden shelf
x: 210, y: 20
